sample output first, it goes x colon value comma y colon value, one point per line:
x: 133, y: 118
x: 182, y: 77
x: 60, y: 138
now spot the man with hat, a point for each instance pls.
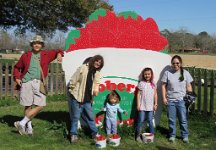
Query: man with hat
x: 28, y: 73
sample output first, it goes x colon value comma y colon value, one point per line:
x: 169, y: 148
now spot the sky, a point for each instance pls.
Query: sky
x: 193, y: 15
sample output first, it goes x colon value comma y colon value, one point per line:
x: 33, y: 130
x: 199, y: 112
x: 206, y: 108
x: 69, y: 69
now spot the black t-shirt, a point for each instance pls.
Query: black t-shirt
x: 89, y: 83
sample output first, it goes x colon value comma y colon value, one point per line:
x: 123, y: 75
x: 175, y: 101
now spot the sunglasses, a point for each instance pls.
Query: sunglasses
x: 176, y: 63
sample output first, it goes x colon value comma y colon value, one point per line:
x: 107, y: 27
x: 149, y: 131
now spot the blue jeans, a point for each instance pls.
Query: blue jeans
x: 111, y: 125
x: 141, y: 118
x: 76, y: 110
x: 177, y: 108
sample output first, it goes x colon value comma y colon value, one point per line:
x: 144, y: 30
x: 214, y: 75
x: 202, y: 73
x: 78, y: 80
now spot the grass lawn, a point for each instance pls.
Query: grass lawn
x: 50, y: 124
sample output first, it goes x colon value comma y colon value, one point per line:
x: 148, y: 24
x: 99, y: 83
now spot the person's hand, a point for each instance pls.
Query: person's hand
x: 59, y: 57
x: 155, y: 107
x: 92, y: 101
x: 138, y: 108
x: 125, y: 113
x: 95, y: 93
x: 165, y: 101
x: 19, y: 82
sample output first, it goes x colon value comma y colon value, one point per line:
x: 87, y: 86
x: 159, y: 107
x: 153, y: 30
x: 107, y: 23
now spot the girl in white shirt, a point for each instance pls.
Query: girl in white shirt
x: 146, y: 101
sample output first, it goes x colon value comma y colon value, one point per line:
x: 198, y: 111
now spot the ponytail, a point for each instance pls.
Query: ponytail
x: 181, y: 78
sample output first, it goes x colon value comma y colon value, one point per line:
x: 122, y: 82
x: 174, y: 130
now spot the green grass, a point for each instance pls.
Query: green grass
x: 9, y: 101
x: 52, y: 123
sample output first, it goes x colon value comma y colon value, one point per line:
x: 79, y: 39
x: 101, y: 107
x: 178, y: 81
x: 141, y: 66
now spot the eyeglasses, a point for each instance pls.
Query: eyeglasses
x: 175, y: 63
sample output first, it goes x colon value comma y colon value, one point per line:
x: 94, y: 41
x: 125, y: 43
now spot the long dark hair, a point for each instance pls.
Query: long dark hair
x: 86, y: 60
x: 96, y: 58
x: 181, y: 78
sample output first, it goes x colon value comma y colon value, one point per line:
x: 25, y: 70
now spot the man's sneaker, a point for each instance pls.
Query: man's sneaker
x: 172, y: 139
x: 20, y: 128
x: 74, y: 138
x: 29, y: 131
x: 186, y: 140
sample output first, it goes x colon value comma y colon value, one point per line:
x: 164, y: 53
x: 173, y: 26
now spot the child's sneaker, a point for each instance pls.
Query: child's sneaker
x: 186, y: 140
x: 108, y: 137
x: 138, y: 139
x: 172, y: 139
x: 29, y: 131
x: 74, y: 138
x: 20, y: 128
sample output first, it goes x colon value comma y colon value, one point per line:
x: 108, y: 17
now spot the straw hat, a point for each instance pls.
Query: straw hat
x: 37, y: 38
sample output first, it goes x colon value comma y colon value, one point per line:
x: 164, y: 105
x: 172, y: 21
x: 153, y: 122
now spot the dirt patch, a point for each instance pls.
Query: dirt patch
x: 10, y: 56
x: 199, y: 61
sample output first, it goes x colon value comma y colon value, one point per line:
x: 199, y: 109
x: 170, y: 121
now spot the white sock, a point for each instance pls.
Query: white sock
x: 29, y: 124
x: 24, y: 121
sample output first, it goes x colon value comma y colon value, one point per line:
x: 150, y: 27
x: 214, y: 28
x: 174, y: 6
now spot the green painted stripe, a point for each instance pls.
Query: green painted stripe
x: 121, y: 78
x: 164, y: 51
x: 126, y: 14
x: 98, y: 12
x: 71, y: 38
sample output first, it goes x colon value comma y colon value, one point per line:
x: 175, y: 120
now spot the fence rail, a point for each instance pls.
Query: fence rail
x: 204, y: 85
x: 55, y: 80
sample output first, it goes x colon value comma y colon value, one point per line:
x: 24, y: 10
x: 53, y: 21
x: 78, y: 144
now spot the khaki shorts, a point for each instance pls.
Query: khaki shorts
x: 30, y: 94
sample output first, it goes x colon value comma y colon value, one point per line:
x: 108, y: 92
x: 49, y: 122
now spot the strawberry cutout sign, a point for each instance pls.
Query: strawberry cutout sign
x: 128, y: 44
x: 126, y: 30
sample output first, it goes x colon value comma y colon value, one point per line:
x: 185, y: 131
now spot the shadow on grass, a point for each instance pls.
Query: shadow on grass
x: 165, y: 132
x: 9, y: 119
x: 54, y: 116
x: 57, y: 117
x: 164, y: 148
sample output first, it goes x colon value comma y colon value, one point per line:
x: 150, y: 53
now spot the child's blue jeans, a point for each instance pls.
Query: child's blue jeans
x: 141, y: 117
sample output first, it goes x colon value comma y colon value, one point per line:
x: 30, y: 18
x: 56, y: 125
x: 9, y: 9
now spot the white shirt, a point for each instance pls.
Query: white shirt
x: 147, y: 95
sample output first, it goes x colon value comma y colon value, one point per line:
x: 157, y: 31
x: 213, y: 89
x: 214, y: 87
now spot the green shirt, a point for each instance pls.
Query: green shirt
x: 34, y: 69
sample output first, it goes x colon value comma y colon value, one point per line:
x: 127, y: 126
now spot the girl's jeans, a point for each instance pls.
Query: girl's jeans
x: 141, y: 117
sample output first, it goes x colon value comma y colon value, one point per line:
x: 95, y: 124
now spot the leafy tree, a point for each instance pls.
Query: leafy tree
x: 5, y: 40
x: 203, y: 34
x: 182, y: 39
x: 203, y: 40
x: 47, y: 16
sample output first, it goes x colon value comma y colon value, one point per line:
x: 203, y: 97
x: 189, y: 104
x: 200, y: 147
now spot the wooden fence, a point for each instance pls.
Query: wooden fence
x: 55, y: 80
x: 204, y: 85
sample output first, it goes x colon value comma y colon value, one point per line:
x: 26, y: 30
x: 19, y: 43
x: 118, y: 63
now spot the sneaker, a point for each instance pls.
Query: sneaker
x: 74, y: 138
x: 109, y: 136
x: 95, y: 137
x: 29, y: 131
x: 138, y: 139
x: 186, y: 140
x: 172, y: 139
x: 20, y: 128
